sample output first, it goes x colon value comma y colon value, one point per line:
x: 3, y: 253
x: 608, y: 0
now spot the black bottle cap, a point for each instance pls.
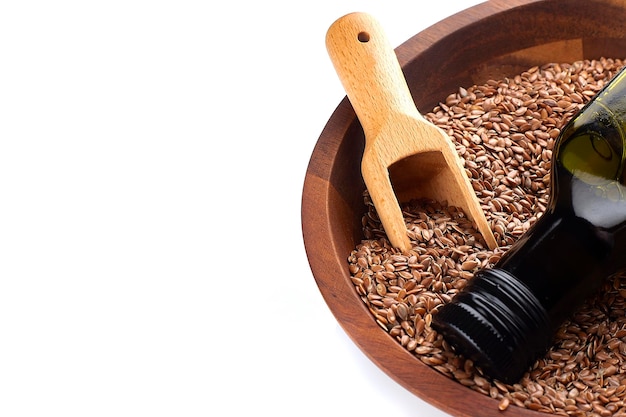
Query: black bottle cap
x: 498, y: 323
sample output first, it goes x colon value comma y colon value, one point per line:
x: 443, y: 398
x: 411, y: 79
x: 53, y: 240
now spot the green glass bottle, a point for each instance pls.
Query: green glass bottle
x: 506, y: 317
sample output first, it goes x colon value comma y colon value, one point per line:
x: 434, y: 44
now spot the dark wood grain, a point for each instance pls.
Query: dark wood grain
x: 493, y: 39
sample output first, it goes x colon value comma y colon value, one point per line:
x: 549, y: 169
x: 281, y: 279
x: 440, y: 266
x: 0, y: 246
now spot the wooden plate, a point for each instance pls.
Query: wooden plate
x: 489, y: 41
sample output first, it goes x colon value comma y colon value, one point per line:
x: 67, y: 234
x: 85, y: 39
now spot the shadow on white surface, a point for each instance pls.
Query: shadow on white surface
x: 392, y: 394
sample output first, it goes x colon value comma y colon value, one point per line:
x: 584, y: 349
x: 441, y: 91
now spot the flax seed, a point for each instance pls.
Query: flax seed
x: 504, y: 130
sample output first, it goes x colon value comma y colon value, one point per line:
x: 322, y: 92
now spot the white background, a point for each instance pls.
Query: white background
x: 152, y: 158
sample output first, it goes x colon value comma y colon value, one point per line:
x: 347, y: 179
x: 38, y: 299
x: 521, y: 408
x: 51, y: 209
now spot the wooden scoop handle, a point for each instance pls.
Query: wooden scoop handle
x: 369, y: 71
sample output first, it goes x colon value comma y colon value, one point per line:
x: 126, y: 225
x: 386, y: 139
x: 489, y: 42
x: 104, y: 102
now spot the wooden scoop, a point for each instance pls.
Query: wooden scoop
x: 401, y: 146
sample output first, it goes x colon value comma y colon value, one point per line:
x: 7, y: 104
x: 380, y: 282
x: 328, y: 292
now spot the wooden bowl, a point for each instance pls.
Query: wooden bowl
x: 489, y: 41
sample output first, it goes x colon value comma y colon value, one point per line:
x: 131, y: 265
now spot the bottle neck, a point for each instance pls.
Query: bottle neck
x: 505, y: 317
x: 562, y: 260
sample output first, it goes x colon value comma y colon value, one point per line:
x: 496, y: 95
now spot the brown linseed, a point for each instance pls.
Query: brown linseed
x: 504, y: 130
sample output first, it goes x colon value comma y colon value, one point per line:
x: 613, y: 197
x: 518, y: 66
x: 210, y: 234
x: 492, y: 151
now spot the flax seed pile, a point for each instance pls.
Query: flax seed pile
x: 505, y: 131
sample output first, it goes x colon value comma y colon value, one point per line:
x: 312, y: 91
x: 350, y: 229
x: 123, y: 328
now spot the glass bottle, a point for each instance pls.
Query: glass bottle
x: 506, y: 317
